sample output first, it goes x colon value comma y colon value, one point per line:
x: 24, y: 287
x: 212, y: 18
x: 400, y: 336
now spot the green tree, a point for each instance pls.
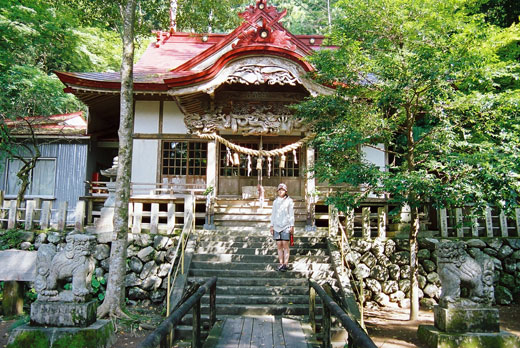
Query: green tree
x: 499, y: 12
x: 433, y: 86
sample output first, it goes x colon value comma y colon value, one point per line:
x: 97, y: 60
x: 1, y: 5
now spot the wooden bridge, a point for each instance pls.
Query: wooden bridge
x: 261, y: 331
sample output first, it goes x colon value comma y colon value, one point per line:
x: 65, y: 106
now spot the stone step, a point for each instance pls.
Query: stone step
x: 257, y: 238
x: 260, y: 309
x: 259, y: 258
x: 230, y: 280
x: 258, y: 251
x: 244, y: 266
x: 267, y: 242
x: 251, y: 229
x: 259, y: 274
x: 263, y: 290
x: 240, y: 300
x: 264, y: 225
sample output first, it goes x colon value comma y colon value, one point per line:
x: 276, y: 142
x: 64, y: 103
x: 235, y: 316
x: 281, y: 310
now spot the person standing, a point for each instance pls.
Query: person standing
x: 282, y: 225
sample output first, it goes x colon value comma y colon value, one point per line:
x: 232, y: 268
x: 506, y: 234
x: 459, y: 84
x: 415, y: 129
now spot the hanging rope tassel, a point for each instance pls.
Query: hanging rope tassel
x: 295, y: 157
x: 269, y: 167
x: 228, y: 157
x: 282, y: 161
x: 248, y: 165
x: 236, y: 159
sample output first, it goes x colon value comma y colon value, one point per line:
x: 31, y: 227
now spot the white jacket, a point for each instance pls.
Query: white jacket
x: 282, y: 216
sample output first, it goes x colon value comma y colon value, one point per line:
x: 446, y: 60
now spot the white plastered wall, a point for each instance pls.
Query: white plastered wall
x: 375, y: 156
x: 146, y: 117
x: 144, y: 160
x: 173, y: 119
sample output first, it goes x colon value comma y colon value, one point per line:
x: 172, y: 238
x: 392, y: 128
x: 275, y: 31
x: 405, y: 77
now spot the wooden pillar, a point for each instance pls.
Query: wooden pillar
x: 212, y: 305
x: 195, y: 337
x: 13, y: 208
x: 503, y: 224
x: 171, y: 218
x: 29, y: 214
x: 489, y: 222
x: 474, y: 224
x: 211, y: 166
x: 517, y: 218
x: 12, y: 303
x: 381, y: 222
x: 325, y: 327
x: 365, y: 217
x: 138, y: 217
x: 45, y: 215
x: 312, y: 308
x: 154, y: 218
x: 310, y: 190
x: 349, y: 222
x: 62, y: 215
x: 333, y: 220
x: 459, y: 222
x: 79, y: 216
x: 443, y: 219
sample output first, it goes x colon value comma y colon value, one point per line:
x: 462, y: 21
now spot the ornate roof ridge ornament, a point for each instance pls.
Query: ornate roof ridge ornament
x: 264, y: 33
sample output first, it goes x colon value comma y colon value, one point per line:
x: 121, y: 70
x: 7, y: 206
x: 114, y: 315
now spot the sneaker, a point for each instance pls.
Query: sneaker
x: 283, y: 268
x: 280, y: 268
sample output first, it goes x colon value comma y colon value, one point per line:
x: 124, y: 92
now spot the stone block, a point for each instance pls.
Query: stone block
x: 98, y: 335
x: 462, y: 319
x: 434, y: 338
x: 63, y: 314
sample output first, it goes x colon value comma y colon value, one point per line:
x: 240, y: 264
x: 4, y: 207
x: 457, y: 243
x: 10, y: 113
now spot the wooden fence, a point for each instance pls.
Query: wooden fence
x: 159, y: 217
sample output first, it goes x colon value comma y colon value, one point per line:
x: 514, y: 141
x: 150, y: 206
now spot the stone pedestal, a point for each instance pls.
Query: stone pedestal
x: 464, y: 327
x: 458, y: 319
x: 63, y: 314
x: 98, y: 335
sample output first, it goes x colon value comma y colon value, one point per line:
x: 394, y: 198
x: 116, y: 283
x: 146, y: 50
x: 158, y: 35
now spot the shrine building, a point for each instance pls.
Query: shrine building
x: 212, y: 111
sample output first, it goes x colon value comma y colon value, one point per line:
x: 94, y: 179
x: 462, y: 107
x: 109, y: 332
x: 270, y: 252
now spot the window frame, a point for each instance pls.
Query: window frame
x: 30, y: 188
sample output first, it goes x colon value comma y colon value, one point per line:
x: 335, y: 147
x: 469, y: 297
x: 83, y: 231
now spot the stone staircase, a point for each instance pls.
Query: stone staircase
x: 244, y: 258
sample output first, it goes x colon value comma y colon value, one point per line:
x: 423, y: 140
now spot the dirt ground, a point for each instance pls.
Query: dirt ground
x: 389, y: 327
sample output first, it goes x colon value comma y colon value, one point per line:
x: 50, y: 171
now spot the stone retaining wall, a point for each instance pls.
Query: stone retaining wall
x: 383, y: 264
x: 149, y: 258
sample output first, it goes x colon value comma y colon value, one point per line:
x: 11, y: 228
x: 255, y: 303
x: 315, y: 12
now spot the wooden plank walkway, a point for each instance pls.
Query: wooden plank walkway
x: 258, y: 332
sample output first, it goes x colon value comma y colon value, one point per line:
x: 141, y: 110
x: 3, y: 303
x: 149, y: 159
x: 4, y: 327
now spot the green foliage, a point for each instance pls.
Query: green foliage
x: 10, y: 239
x: 499, y: 12
x: 30, y: 296
x: 98, y: 288
x: 435, y: 87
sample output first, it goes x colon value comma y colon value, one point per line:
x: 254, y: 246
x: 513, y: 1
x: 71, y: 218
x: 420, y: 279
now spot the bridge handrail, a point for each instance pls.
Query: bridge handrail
x: 357, y: 336
x: 168, y: 324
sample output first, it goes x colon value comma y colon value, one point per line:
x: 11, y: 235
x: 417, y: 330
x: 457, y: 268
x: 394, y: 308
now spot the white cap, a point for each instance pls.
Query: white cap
x: 282, y: 187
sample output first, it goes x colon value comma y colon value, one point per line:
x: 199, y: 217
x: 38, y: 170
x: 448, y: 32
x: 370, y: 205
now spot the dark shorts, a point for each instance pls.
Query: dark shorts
x: 282, y: 235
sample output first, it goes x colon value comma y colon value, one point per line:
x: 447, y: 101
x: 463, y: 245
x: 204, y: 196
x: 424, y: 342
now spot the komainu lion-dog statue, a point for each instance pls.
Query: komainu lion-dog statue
x: 457, y: 268
x: 75, y: 261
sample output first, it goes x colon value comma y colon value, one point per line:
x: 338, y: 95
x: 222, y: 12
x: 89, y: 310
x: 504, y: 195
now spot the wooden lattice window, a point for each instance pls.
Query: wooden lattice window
x: 184, y: 158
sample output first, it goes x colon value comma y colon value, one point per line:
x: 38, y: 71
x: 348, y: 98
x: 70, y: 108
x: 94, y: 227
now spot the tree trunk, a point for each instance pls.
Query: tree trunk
x: 414, y: 264
x: 115, y: 293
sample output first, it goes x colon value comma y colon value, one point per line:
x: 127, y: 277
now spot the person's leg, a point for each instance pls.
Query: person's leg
x: 279, y: 244
x: 285, y: 246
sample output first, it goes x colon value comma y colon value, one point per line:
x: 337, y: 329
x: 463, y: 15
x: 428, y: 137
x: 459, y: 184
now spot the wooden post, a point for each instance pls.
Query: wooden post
x: 130, y: 214
x: 443, y: 218
x: 365, y: 218
x: 349, y: 222
x: 474, y: 224
x: 154, y: 218
x: 29, y: 215
x: 171, y: 218
x: 325, y: 327
x: 2, y: 211
x: 90, y: 208
x: 381, y: 222
x: 333, y: 220
x: 195, y: 337
x: 459, y: 222
x: 503, y: 224
x: 12, y: 303
x: 517, y: 218
x: 79, y: 216
x: 489, y: 222
x: 212, y: 305
x: 138, y: 217
x: 62, y: 215
x: 11, y: 223
x: 45, y: 215
x: 312, y: 308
